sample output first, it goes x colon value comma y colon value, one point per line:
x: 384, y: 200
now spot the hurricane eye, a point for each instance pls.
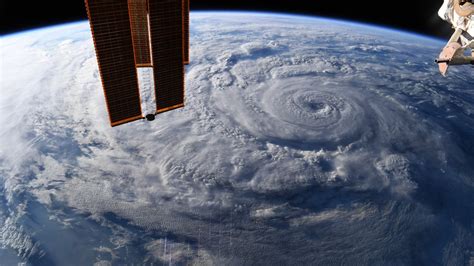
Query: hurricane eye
x: 316, y: 106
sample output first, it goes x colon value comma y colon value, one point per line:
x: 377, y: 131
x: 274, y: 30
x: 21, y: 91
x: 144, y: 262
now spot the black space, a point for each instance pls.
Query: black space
x: 416, y: 15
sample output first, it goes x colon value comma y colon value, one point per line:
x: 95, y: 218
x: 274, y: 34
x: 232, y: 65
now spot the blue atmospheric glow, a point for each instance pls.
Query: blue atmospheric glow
x: 237, y: 12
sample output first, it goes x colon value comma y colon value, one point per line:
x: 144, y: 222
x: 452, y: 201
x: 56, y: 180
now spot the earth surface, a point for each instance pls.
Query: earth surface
x: 303, y: 141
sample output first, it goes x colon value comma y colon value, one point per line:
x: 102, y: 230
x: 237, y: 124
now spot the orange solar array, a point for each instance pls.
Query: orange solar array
x: 110, y: 25
x: 139, y: 24
x: 166, y: 32
x: 140, y: 33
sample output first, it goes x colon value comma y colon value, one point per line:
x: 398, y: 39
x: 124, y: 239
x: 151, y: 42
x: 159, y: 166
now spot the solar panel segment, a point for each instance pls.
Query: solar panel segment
x: 186, y: 31
x: 166, y: 32
x: 138, y: 11
x: 110, y: 26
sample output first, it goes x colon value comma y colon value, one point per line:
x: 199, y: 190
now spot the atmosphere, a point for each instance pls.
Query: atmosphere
x: 417, y: 15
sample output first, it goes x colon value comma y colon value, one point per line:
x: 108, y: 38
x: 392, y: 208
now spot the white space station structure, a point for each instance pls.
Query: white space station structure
x: 460, y: 47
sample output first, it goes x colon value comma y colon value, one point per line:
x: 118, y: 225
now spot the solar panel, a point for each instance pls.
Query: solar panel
x: 186, y: 31
x: 110, y: 27
x: 139, y: 25
x: 166, y: 31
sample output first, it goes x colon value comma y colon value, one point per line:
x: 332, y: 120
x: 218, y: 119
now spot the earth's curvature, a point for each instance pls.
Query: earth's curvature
x: 304, y: 141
